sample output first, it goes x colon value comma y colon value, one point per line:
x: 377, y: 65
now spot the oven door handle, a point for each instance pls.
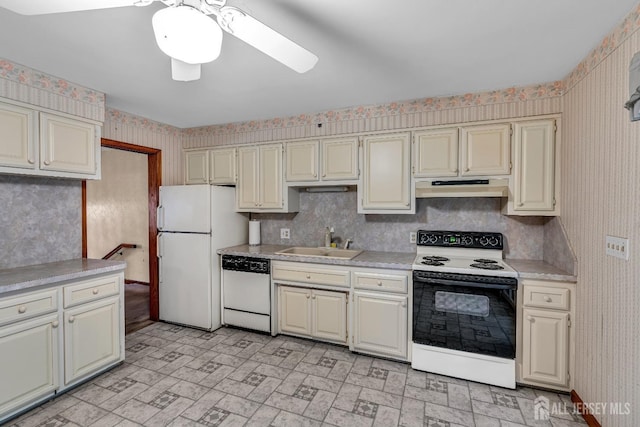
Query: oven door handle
x: 434, y: 281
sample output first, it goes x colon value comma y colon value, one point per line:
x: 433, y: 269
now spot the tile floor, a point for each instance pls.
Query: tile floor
x: 179, y: 376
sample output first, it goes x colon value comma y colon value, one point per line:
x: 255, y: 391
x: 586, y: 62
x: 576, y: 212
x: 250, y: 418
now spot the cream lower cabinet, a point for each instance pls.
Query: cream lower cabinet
x: 312, y: 312
x: 92, y: 338
x: 386, y: 185
x: 30, y: 353
x: 547, y: 342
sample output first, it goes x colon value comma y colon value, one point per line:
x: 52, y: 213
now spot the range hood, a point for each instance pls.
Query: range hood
x: 463, y: 188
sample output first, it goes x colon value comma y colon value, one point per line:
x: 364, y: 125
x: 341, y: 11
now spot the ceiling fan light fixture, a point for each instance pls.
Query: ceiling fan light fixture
x: 186, y: 34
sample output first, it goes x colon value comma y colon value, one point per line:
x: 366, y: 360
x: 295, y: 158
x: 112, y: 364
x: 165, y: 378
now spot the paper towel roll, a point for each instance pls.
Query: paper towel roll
x: 254, y: 232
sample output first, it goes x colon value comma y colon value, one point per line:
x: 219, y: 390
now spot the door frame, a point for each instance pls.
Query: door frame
x: 154, y: 170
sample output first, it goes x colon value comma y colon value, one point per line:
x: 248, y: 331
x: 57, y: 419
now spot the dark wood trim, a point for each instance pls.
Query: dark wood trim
x: 154, y: 162
x: 128, y: 282
x: 584, y: 411
x: 84, y: 219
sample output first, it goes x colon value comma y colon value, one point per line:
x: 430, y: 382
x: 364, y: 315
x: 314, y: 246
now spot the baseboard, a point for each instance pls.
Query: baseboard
x: 588, y: 417
x: 128, y: 282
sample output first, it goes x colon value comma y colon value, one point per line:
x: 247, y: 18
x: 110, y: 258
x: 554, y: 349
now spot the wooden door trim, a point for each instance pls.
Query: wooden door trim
x: 154, y: 170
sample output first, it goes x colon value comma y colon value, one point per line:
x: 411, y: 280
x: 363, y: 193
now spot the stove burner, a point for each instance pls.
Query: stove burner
x: 435, y: 258
x: 431, y: 262
x: 485, y: 266
x: 485, y: 261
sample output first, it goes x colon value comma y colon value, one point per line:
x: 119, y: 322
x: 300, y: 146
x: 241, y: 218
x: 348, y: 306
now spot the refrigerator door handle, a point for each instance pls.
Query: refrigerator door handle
x: 159, y: 246
x: 160, y: 217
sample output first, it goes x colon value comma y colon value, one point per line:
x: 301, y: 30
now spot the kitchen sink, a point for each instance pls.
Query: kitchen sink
x: 320, y: 252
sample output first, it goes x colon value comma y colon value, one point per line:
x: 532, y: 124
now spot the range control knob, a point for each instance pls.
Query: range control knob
x: 493, y: 241
x: 484, y: 240
x: 467, y: 241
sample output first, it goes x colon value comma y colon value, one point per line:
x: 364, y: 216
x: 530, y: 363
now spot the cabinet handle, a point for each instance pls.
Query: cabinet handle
x: 95, y: 291
x: 71, y: 319
x: 547, y: 298
x: 308, y: 276
x: 22, y: 309
x: 47, y: 162
x: 379, y: 282
x: 530, y: 318
x: 55, y: 324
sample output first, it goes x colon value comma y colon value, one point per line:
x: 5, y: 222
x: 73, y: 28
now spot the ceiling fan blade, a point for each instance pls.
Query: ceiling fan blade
x: 43, y: 7
x: 265, y: 39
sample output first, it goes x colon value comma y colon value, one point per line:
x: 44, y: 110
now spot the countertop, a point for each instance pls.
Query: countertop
x: 31, y: 276
x: 527, y: 269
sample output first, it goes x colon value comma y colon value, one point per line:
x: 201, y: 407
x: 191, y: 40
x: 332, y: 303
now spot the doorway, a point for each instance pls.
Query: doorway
x: 154, y: 180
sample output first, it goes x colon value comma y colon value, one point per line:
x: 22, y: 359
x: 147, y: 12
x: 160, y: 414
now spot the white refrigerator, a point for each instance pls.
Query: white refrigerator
x: 194, y: 221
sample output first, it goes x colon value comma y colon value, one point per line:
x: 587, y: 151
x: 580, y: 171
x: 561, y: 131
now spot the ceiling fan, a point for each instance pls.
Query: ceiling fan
x: 186, y: 32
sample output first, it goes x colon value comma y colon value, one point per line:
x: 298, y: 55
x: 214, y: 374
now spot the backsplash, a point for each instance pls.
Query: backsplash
x: 524, y: 235
x: 39, y: 220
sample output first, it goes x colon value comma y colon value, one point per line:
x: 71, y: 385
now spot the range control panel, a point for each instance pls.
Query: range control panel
x: 246, y: 264
x: 460, y: 239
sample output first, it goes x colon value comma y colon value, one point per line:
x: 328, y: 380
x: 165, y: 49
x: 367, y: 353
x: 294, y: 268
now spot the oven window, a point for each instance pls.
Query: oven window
x: 476, y: 320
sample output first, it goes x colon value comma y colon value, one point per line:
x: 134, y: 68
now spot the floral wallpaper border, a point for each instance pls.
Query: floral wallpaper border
x: 629, y: 25
x: 115, y: 117
x: 27, y: 76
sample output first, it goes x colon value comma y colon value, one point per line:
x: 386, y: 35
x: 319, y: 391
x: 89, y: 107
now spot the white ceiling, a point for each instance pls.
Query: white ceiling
x: 371, y: 51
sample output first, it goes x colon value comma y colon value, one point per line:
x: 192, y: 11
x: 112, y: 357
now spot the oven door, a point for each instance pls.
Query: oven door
x: 464, y: 313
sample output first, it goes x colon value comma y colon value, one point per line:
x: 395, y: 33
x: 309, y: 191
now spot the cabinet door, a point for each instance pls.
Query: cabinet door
x: 196, y: 167
x: 386, y: 180
x: 329, y: 315
x: 484, y: 150
x: 340, y: 159
x: 247, y: 189
x: 294, y: 310
x: 380, y: 324
x: 545, y: 346
x: 302, y: 161
x: 534, y: 176
x: 91, y: 338
x: 29, y: 368
x: 222, y: 165
x: 67, y: 145
x: 435, y: 153
x: 17, y: 148
x: 271, y: 177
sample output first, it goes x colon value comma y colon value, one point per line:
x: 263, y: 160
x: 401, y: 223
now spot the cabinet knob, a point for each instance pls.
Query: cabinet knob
x: 72, y: 319
x: 520, y: 204
x: 403, y: 304
x: 47, y: 162
x: 308, y: 276
x: 313, y: 297
x: 530, y: 318
x: 95, y: 291
x: 379, y: 282
x: 308, y: 296
x: 467, y: 169
x: 256, y: 204
x: 324, y: 175
x: 315, y: 175
x: 55, y: 324
x: 22, y: 309
x: 31, y: 161
x: 547, y: 298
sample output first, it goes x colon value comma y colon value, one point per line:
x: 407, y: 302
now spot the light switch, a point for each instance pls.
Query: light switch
x: 617, y: 247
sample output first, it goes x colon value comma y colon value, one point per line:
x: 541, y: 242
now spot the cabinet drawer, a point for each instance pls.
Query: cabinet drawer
x: 28, y: 306
x: 546, y: 297
x: 380, y: 282
x: 91, y: 290
x: 310, y: 275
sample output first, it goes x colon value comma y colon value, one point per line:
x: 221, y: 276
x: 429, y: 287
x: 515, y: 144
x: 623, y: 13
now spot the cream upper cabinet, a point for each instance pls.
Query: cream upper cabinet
x: 546, y: 341
x: 484, y: 150
x: 380, y: 324
x: 196, y: 167
x: 302, y: 161
x: 222, y: 166
x: 386, y: 185
x: 41, y: 143
x: 260, y: 186
x: 534, y: 168
x: 67, y: 145
x: 327, y: 161
x: 18, y: 137
x: 216, y: 166
x: 435, y: 153
x: 329, y: 314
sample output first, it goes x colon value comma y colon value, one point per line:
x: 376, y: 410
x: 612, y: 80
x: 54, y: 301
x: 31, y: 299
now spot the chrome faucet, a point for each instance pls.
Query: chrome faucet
x: 346, y: 243
x: 328, y: 237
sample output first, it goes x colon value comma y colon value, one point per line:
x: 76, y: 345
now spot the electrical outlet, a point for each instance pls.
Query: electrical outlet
x: 412, y: 236
x: 285, y: 233
x: 617, y: 247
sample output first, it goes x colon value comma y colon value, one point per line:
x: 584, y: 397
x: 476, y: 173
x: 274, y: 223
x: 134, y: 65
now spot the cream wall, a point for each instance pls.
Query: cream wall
x: 118, y: 211
x: 601, y: 195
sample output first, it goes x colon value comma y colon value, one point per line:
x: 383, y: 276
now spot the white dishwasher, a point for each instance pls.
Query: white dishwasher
x: 246, y: 292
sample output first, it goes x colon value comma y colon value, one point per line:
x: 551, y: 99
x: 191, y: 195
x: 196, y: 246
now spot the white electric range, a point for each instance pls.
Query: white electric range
x: 464, y: 307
